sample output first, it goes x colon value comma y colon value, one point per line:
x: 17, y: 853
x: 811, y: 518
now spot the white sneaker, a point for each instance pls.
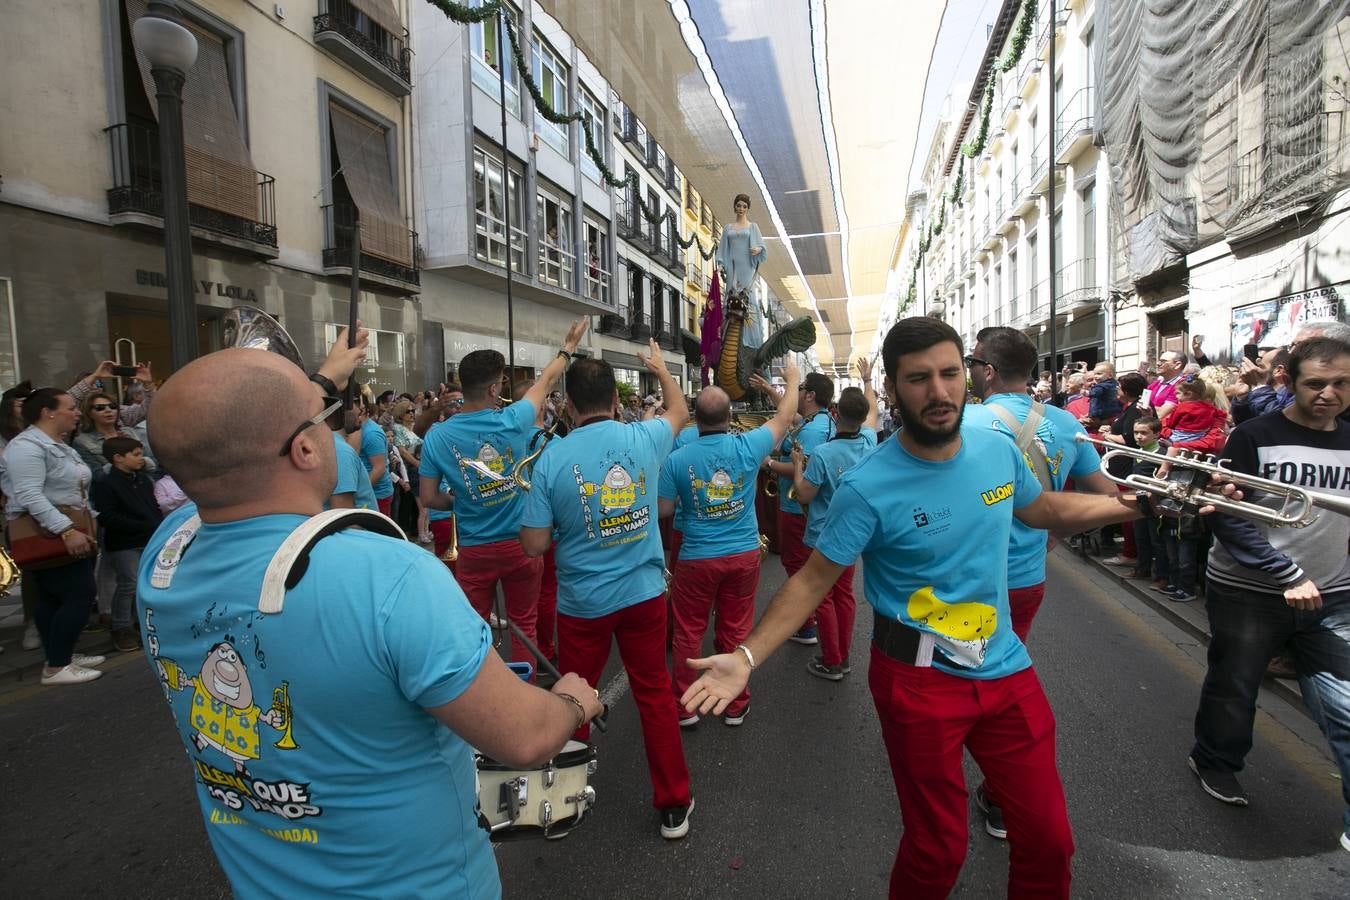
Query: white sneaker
x: 31, y: 640
x: 72, y: 674
x: 1119, y: 560
x: 87, y: 662
x: 1345, y: 841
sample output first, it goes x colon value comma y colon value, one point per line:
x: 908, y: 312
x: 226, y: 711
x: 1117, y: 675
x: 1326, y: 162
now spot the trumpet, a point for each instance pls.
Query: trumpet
x: 521, y: 471
x: 452, y: 552
x: 1185, y: 488
x: 281, y: 702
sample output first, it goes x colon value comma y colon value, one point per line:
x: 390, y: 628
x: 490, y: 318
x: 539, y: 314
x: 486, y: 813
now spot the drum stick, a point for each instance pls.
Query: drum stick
x: 547, y: 665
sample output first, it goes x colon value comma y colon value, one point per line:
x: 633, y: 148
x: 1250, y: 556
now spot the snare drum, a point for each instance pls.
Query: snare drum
x: 554, y: 798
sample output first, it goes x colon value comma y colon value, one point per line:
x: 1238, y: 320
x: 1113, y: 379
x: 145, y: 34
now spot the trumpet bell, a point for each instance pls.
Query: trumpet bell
x: 250, y: 328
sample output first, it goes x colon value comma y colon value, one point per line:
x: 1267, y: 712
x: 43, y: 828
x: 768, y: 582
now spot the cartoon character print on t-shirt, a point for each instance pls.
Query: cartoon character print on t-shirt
x: 614, y: 511
x: 225, y: 721
x: 1044, y: 432
x: 963, y: 629
x: 487, y: 475
x: 715, y: 497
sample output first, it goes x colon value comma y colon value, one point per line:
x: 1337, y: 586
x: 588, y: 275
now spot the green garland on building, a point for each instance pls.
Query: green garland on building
x: 470, y: 15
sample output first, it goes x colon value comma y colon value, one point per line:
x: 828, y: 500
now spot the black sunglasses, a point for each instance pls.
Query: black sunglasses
x: 331, y: 405
x: 976, y: 361
x: 102, y: 407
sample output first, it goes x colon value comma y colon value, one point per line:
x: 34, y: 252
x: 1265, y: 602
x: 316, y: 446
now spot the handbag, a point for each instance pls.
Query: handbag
x: 34, y: 547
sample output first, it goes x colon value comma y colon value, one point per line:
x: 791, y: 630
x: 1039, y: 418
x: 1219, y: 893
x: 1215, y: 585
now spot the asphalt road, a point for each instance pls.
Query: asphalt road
x: 96, y: 797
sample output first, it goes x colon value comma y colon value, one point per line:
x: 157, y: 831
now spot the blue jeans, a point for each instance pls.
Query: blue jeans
x: 1148, y: 544
x: 1248, y: 628
x: 125, y: 564
x: 1181, y: 555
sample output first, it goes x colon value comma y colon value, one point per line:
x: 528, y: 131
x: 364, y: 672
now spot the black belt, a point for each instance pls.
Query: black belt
x: 899, y: 642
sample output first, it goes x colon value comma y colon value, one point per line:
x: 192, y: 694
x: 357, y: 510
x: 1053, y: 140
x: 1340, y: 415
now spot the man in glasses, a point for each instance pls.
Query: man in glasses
x: 332, y: 738
x: 1001, y: 365
x: 813, y: 401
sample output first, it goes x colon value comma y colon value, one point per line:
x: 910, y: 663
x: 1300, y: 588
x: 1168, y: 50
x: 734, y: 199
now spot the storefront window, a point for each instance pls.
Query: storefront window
x: 383, y: 368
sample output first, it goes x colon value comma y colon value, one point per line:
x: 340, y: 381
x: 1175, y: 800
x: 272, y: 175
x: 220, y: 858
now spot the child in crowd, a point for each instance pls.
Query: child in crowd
x: 128, y: 515
x: 1196, y: 424
x: 1103, y: 397
x: 1151, y: 554
x: 168, y: 494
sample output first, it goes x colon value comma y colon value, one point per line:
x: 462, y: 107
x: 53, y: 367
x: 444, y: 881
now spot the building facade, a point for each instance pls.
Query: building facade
x: 296, y: 122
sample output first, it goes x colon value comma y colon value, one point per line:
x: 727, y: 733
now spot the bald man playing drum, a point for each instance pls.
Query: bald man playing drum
x: 330, y: 741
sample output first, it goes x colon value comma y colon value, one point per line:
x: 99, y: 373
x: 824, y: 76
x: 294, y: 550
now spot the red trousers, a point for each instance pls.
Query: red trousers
x: 927, y: 716
x: 1023, y: 603
x: 834, y: 619
x: 791, y: 550
x: 440, y: 534
x: 726, y: 584
x: 480, y: 569
x: 548, y: 604
x: 386, y: 504
x: 640, y: 631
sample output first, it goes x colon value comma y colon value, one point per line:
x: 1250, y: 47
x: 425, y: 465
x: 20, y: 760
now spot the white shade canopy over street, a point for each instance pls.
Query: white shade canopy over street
x: 811, y: 107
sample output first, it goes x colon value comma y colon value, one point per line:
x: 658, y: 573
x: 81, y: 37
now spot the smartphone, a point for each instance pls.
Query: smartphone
x: 1251, y: 351
x: 124, y: 371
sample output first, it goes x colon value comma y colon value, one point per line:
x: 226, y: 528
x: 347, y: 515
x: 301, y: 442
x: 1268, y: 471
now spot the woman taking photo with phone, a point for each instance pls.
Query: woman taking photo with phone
x: 98, y: 423
x: 103, y: 379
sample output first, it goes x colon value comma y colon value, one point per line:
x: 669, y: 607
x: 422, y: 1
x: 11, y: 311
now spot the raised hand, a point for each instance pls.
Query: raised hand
x: 575, y: 333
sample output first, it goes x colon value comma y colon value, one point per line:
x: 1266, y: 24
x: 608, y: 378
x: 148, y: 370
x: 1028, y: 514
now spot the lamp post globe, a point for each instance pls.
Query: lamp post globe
x: 171, y: 50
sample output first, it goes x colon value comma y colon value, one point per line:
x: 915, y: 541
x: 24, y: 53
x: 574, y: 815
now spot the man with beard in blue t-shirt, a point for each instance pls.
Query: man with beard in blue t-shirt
x: 930, y: 512
x: 331, y: 739
x: 597, y: 489
x: 712, y: 482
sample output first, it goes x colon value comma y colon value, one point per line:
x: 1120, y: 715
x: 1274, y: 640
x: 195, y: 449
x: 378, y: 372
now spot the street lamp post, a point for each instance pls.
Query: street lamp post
x: 171, y: 50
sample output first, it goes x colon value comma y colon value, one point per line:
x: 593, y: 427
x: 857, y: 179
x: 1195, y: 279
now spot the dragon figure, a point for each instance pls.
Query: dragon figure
x: 738, y: 361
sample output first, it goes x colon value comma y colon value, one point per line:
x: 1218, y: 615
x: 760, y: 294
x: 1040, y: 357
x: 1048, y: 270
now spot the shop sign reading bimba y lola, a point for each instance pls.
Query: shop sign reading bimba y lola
x: 219, y: 288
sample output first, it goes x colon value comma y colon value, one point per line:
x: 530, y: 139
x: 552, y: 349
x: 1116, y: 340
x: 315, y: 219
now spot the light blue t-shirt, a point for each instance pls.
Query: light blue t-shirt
x: 828, y: 464
x: 819, y: 429
x: 487, y: 510
x: 932, y: 538
x: 597, y: 489
x: 713, y: 481
x: 1066, y: 457
x: 319, y: 771
x: 688, y: 434
x: 352, y: 477
x: 375, y: 444
x: 440, y: 515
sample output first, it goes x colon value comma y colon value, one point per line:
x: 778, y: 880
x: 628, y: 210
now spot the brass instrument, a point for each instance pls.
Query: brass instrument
x: 1185, y: 489
x: 452, y: 552
x: 281, y: 702
x: 9, y: 572
x: 521, y: 471
x: 771, y: 486
x: 763, y: 546
x: 253, y: 329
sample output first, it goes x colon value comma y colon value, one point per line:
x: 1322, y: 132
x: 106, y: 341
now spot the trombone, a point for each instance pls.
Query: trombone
x: 452, y: 551
x: 1185, y: 488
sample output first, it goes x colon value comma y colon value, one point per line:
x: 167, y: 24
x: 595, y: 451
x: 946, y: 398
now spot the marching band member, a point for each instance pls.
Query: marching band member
x: 817, y: 390
x: 475, y: 451
x: 547, y: 623
x: 815, y: 484
x: 930, y: 513
x: 597, y: 488
x: 712, y: 481
x: 331, y: 741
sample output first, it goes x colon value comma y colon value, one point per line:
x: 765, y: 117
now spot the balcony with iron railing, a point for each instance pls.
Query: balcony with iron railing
x: 370, y: 49
x: 136, y: 196
x: 673, y: 255
x: 615, y: 324
x: 1075, y: 125
x: 633, y: 133
x: 490, y: 241
x: 671, y: 182
x: 1077, y: 285
x: 639, y: 326
x: 597, y: 283
x: 556, y: 263
x: 654, y: 158
x: 338, y: 219
x: 655, y: 237
x: 628, y: 220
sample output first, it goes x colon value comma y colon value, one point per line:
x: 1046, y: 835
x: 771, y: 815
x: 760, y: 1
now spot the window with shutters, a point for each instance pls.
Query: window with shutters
x: 368, y: 35
x: 229, y: 200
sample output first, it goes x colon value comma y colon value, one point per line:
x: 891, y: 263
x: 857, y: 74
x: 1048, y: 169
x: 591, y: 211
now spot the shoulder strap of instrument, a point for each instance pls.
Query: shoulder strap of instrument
x: 291, y: 560
x: 1024, y: 433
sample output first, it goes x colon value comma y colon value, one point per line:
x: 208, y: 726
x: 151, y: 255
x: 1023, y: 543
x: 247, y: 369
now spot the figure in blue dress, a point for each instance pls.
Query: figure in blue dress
x: 739, y: 254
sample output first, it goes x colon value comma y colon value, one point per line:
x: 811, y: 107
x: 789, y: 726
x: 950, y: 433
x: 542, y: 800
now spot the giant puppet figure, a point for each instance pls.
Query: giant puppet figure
x: 744, y: 351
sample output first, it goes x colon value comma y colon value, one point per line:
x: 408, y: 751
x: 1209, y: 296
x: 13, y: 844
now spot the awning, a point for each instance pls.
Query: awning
x: 364, y: 166
x: 220, y: 172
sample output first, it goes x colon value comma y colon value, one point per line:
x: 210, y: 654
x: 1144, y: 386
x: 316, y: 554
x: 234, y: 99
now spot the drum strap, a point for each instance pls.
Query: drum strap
x: 1024, y: 433
x: 291, y: 560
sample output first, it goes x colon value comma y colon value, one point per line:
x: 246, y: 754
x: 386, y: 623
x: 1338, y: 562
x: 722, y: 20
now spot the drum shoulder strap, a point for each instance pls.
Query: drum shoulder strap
x: 291, y: 560
x: 1024, y: 433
